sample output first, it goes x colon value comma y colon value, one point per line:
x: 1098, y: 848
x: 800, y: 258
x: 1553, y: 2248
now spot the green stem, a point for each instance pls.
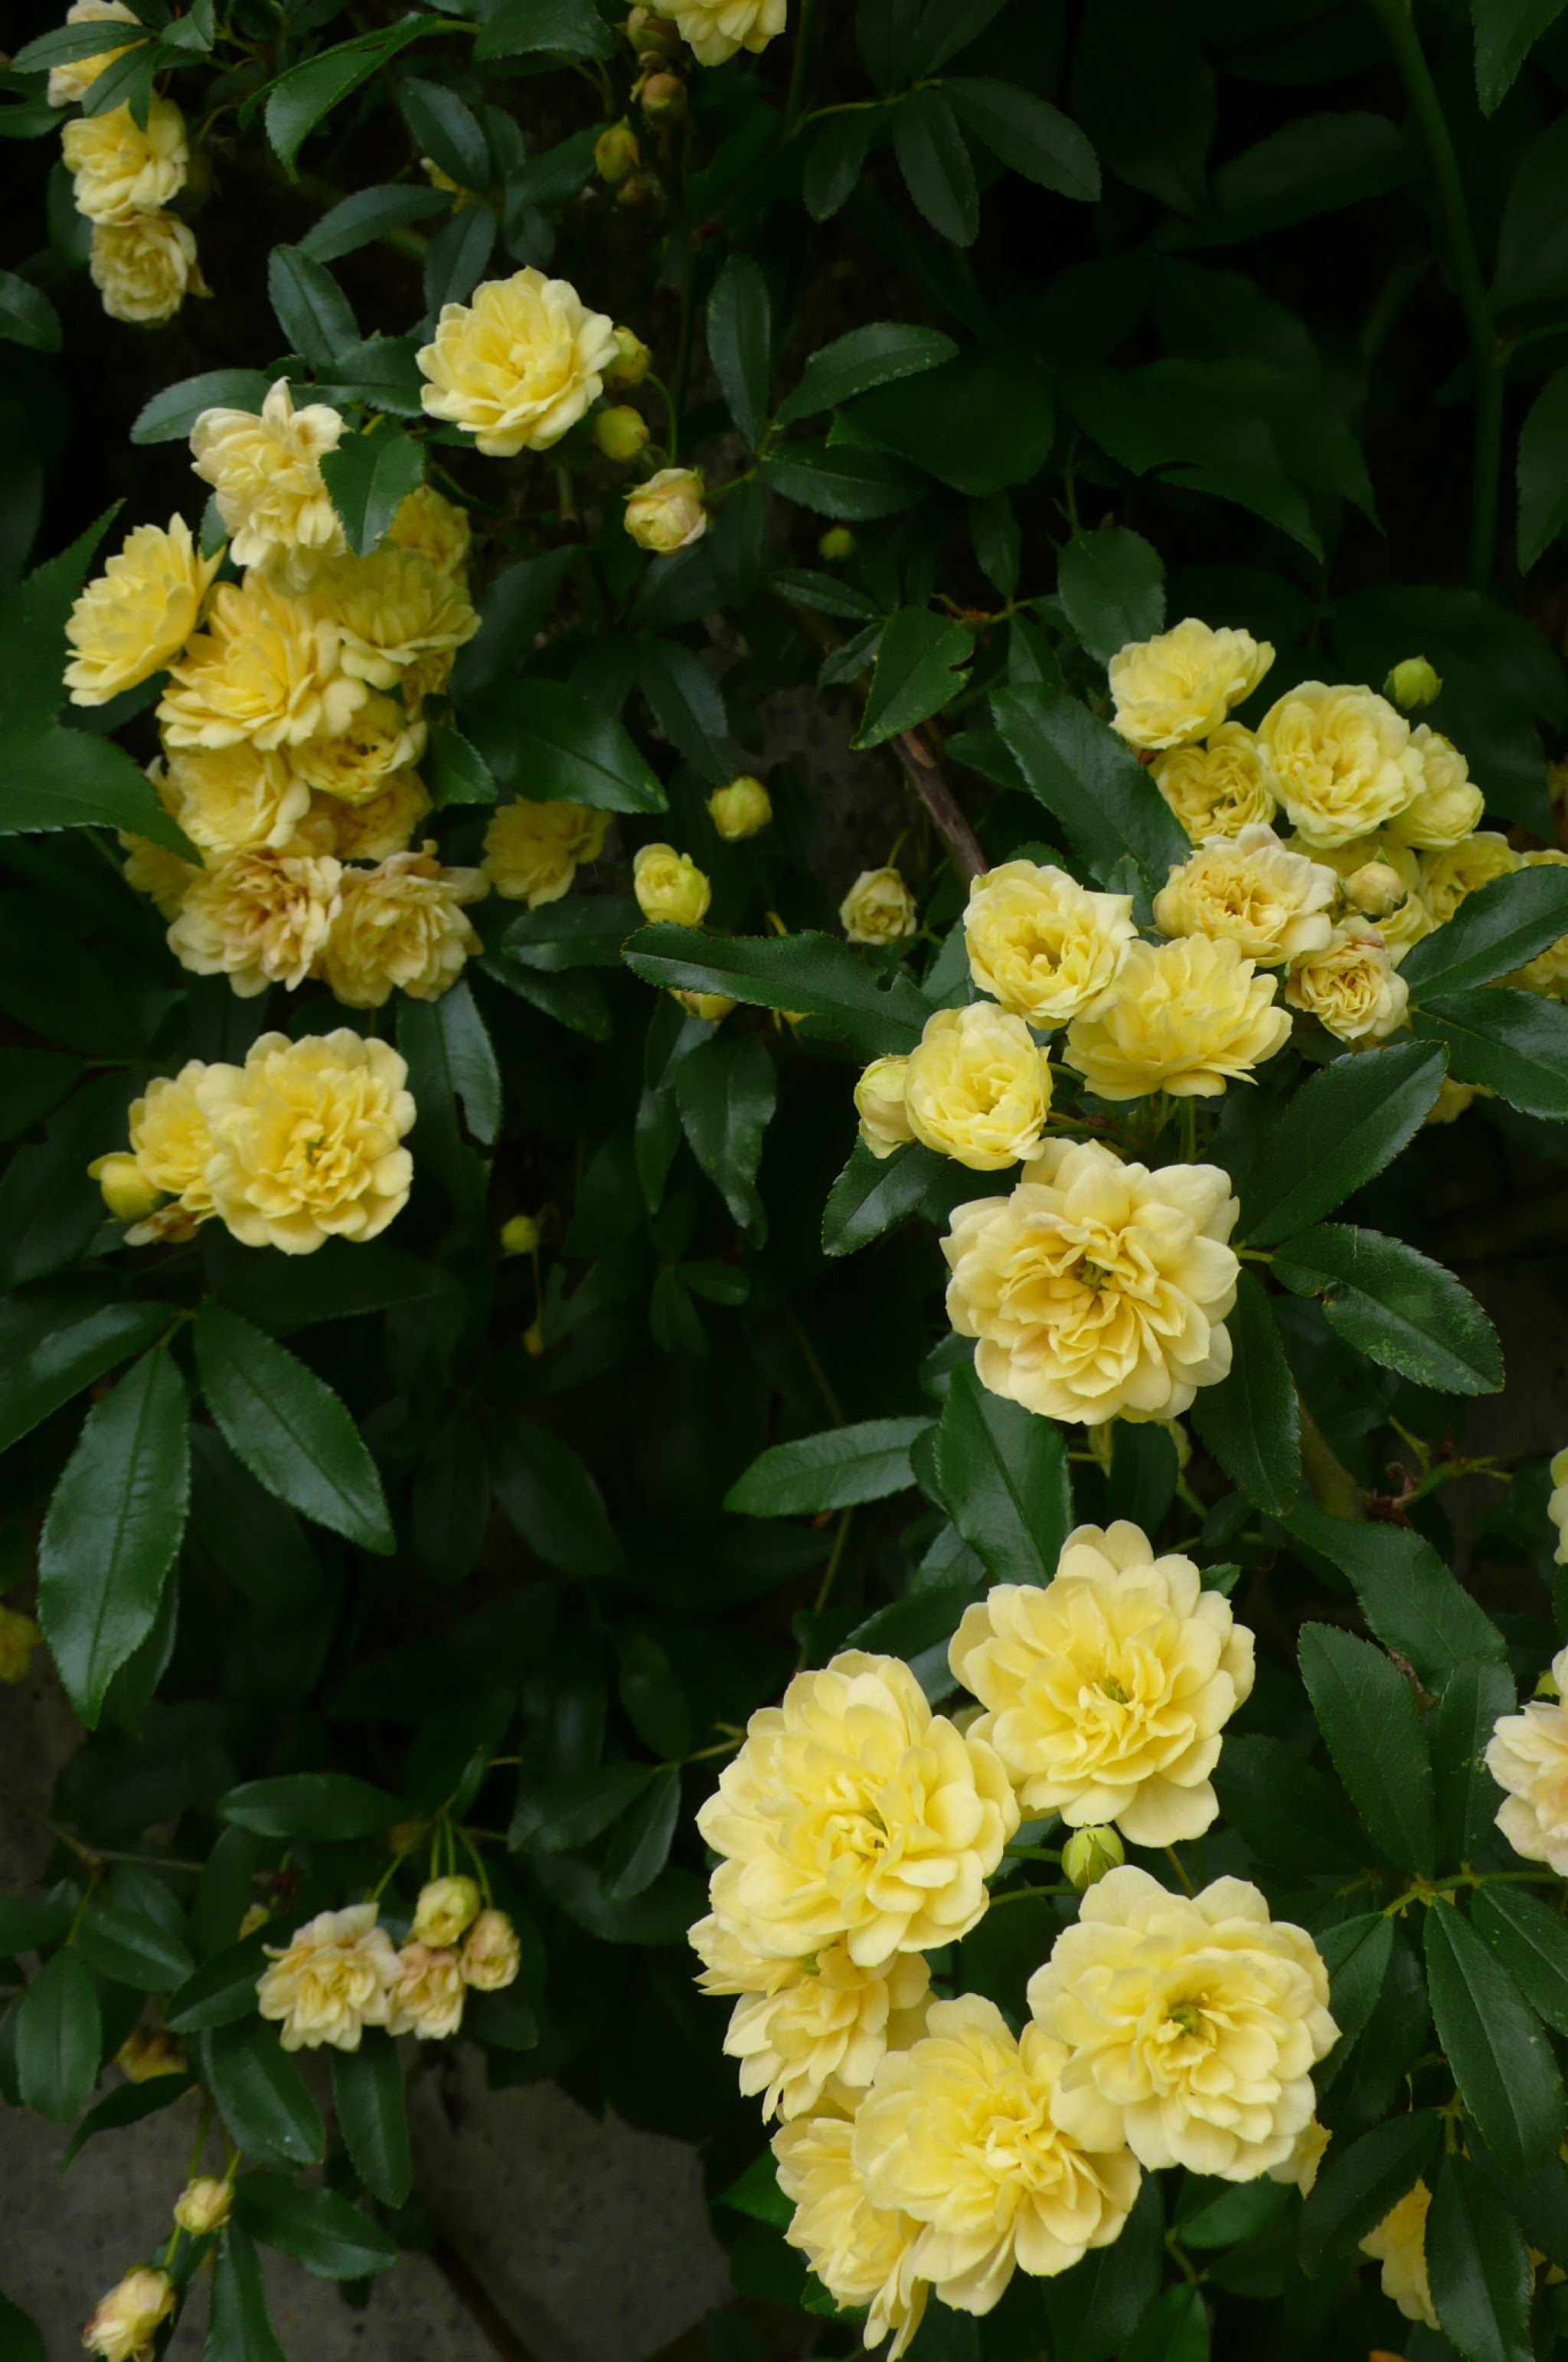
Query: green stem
x: 1398, y: 22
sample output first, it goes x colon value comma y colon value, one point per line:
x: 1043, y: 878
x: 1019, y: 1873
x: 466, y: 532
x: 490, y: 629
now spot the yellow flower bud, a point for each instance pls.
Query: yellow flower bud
x: 203, y: 2205
x: 712, y: 1007
x: 444, y: 1909
x: 130, y: 1196
x: 256, y: 1916
x: 19, y: 1636
x: 880, y: 1103
x: 740, y: 809
x: 631, y: 362
x: 878, y: 909
x: 520, y: 1236
x: 651, y: 35
x: 622, y: 433
x: 616, y: 153
x: 127, y: 2320
x: 1088, y: 1854
x: 662, y: 95
x: 667, y: 513
x: 491, y: 1952
x: 1413, y: 683
x: 837, y: 544
x: 669, y: 885
x: 1374, y: 889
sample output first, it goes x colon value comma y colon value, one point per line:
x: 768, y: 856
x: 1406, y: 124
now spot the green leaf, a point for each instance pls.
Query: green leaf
x: 29, y: 1923
x: 1175, y: 2329
x: 979, y: 422
x: 325, y: 1805
x: 138, y: 1937
x: 368, y: 2099
x: 1028, y: 134
x: 1478, y: 2266
x: 1286, y: 1811
x: 316, y: 2227
x: 1113, y: 587
x: 1248, y: 1420
x: 513, y: 611
x: 169, y: 416
x: 313, y: 310
x: 572, y: 28
x: 550, y: 1498
x: 1315, y: 165
x: 543, y: 740
x: 1496, y: 2045
x: 113, y: 1527
x: 585, y: 930
x: 1515, y: 1042
x: 1360, y: 2184
x: 831, y: 1471
x: 36, y: 1380
x: 573, y: 1812
x: 1083, y: 775
x: 1407, y: 1596
x: 938, y: 170
x: 27, y: 315
x: 457, y: 256
x: 726, y: 1091
x: 1396, y: 1306
x: 59, y: 2038
x: 261, y: 2093
x: 223, y: 1990
x: 69, y: 779
x: 382, y: 372
x: 851, y: 486
x: 548, y: 179
x: 1494, y: 931
x: 872, y: 1192
x: 1531, y: 1942
x: 292, y: 1431
x: 640, y: 1846
x: 688, y: 705
x: 1533, y: 243
x: 455, y: 772
x: 920, y: 669
x: 368, y: 214
x: 1002, y: 1473
x: 67, y: 43
x: 1543, y: 469
x: 304, y: 96
x: 369, y: 477
x: 918, y: 1627
x: 740, y: 343
x: 446, y: 131
x: 877, y: 354
x: 1458, y: 1731
x: 1367, y: 1714
x: 241, y: 2328
x: 1506, y: 32
x: 835, y: 162
x: 817, y: 976
x: 127, y: 2104
x: 1358, y: 1954
x: 1340, y: 1129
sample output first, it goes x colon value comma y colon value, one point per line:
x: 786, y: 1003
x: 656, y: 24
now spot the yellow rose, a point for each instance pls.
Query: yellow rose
x: 259, y: 919
x: 381, y: 744
x: 977, y: 1088
x: 427, y: 1997
x: 1194, y: 2025
x: 740, y: 809
x: 400, y: 927
x: 878, y: 909
x: 632, y: 359
x: 669, y: 886
x: 237, y: 798
x: 1343, y: 762
x: 332, y: 1979
x: 203, y: 2206
x: 957, y: 2134
x: 716, y: 29
x: 1186, y: 1017
x: 1249, y: 890
x: 19, y: 1636
x: 368, y: 832
x: 1105, y: 1691
x: 1352, y: 985
x: 266, y: 475
x: 267, y: 667
x: 128, y: 1194
x: 144, y: 267
x: 1457, y: 870
x: 397, y: 616
x: 1399, y: 2244
x: 305, y: 1139
x: 1557, y: 1505
x: 1528, y: 1756
x: 880, y: 1103
x: 134, y: 617
x: 122, y: 167
x: 667, y: 513
x: 861, y: 2255
x: 803, y: 2028
x: 1220, y: 787
x: 517, y: 364
x: 1448, y: 804
x: 853, y: 1811
x: 127, y: 2320
x: 533, y: 851
x: 171, y: 1144
x: 1042, y: 945
x: 1097, y: 1289
x: 492, y: 1953
x: 433, y: 528
x: 70, y: 84
x: 445, y: 1908
x: 1169, y: 690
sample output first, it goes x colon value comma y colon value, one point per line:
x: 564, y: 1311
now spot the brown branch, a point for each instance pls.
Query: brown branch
x: 925, y: 774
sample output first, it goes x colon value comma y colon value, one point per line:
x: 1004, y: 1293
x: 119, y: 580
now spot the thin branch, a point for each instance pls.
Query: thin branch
x: 925, y: 774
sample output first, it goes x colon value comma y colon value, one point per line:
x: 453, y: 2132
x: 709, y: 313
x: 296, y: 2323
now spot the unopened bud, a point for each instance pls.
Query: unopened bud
x: 836, y: 544
x: 1091, y: 1855
x: 616, y: 153
x: 445, y: 1906
x: 203, y: 2206
x: 651, y: 35
x: 130, y: 1196
x: 666, y: 513
x: 1413, y: 683
x: 639, y: 193
x: 662, y: 96
x: 711, y: 1007
x: 491, y: 1952
x: 1375, y: 888
x: 631, y: 362
x: 740, y: 809
x: 256, y: 1916
x: 520, y: 1236
x: 620, y: 432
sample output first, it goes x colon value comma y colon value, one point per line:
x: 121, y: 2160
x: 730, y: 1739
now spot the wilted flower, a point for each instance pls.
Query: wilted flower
x: 427, y: 1992
x: 258, y: 918
x: 491, y: 1954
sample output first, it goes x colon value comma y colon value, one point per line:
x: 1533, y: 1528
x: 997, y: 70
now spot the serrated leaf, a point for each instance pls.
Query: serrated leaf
x: 877, y: 354
x: 740, y: 343
x: 1339, y: 1130
x: 1367, y: 1714
x: 920, y: 669
x: 1407, y: 1596
x: 292, y: 1431
x: 1091, y: 782
x: 1361, y: 2183
x: 307, y: 94
x: 1396, y: 1306
x: 323, y: 1805
x: 815, y: 974
x: 1112, y: 585
x: 1515, y: 1042
x: 1496, y: 2045
x: 1248, y: 1420
x: 831, y: 1471
x: 1002, y: 1473
x: 368, y: 478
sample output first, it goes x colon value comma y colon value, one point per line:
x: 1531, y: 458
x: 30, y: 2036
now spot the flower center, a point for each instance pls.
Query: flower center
x: 1187, y: 2016
x: 1113, y: 1690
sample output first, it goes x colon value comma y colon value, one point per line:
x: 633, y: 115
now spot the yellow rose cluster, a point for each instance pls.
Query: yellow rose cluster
x: 341, y: 1973
x: 124, y: 175
x: 925, y: 2144
x: 292, y: 718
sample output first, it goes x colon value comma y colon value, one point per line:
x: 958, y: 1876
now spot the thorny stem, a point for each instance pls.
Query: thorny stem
x: 924, y: 774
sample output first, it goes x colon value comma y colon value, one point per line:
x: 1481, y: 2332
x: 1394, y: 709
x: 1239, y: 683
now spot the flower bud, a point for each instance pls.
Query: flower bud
x: 491, y: 1953
x: 19, y: 1636
x: 203, y: 2206
x: 444, y: 1909
x: 128, y: 2318
x: 878, y: 909
x: 837, y: 544
x: 652, y: 35
x: 632, y: 360
x: 147, y: 2052
x: 740, y: 809
x: 621, y: 434
x: 712, y: 1007
x: 669, y: 885
x: 880, y: 1103
x: 662, y: 97
x: 520, y: 1236
x: 1375, y: 888
x: 256, y: 1916
x: 667, y: 513
x: 639, y: 193
x: 616, y: 153
x: 1089, y: 1854
x: 130, y: 1196
x: 1413, y: 683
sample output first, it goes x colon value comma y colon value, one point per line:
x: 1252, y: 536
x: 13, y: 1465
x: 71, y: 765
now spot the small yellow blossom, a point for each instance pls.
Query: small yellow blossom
x: 712, y: 1008
x: 666, y: 513
x: 1459, y: 870
x: 492, y: 1953
x: 134, y: 617
x: 1218, y: 788
x: 741, y: 810
x: 977, y: 1088
x: 669, y: 886
x: 1180, y: 686
x: 433, y: 528
x: 533, y: 851
x: 1343, y: 762
x: 517, y: 364
x: 306, y: 1140
x: 235, y: 799
x: 265, y: 472
x: 878, y: 909
x: 445, y: 1908
x: 885, y: 1124
x: 813, y: 2026
x: 716, y: 29
x: 427, y: 1993
x: 1399, y: 2244
x: 331, y: 1980
x: 386, y: 823
x: 127, y: 2320
x: 144, y: 267
x: 70, y: 84
x: 862, y: 2254
x: 150, y: 2051
x: 267, y: 667
x: 1352, y: 985
x: 1300, y: 2168
x: 400, y: 928
x: 401, y: 620
x: 1043, y: 946
x: 259, y: 918
x: 172, y: 1146
x: 1528, y: 1756
x: 1249, y: 890
x: 203, y: 2206
x: 1448, y: 806
x: 122, y: 167
x: 1188, y: 1017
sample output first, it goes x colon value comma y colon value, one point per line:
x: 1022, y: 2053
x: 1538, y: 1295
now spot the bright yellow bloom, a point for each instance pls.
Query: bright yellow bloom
x: 977, y: 1088
x: 1528, y: 1756
x: 1459, y: 870
x: 70, y: 84
x: 814, y: 2026
x: 266, y: 475
x: 878, y: 909
x: 667, y: 513
x: 1042, y: 945
x: 1188, y: 1017
x: 880, y: 1103
x: 127, y: 2320
x: 237, y: 798
x: 433, y: 528
x: 122, y: 167
x: 134, y: 617
x: 669, y: 886
x: 1399, y: 2244
x: 203, y: 2206
x: 1181, y: 685
x: 1097, y: 1289
x: 518, y: 364
x: 368, y: 832
x: 533, y: 851
x: 144, y: 267
x: 852, y: 1810
x: 1220, y: 787
x: 1106, y: 1690
x: 152, y: 869
x: 428, y: 1994
x: 741, y: 809
x: 267, y: 667
x: 380, y: 745
x: 717, y: 30
x: 446, y: 1906
x: 1343, y: 761
x: 172, y: 1146
x: 19, y: 1636
x: 259, y: 918
x: 306, y: 1140
x: 1448, y: 804
x: 398, y: 617
x: 1352, y: 985
x: 861, y: 2255
x: 957, y: 2134
x: 400, y: 927
x: 332, y: 1979
x: 1194, y: 2025
x: 492, y: 1953
x: 1249, y: 890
